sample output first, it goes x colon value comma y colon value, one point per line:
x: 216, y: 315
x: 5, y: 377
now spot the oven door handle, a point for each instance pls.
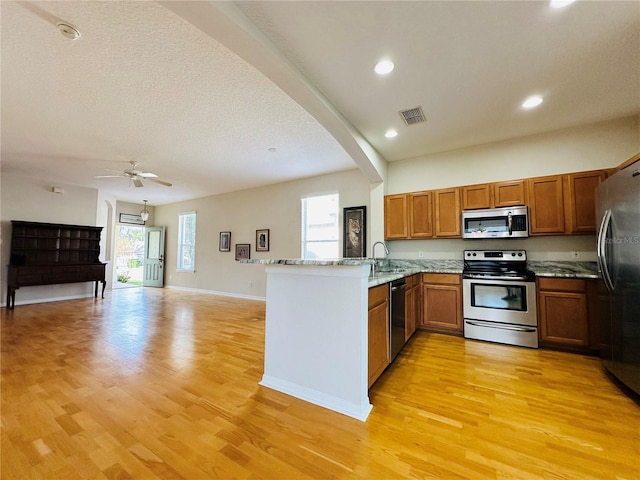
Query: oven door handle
x: 502, y: 326
x: 493, y: 277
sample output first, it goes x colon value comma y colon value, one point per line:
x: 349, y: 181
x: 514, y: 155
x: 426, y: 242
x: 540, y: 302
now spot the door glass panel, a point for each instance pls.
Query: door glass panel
x: 503, y: 297
x: 153, y: 245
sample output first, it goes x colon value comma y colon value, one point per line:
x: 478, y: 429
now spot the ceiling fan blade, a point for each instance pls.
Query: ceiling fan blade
x: 147, y: 175
x: 161, y: 182
x: 137, y: 182
x: 109, y: 176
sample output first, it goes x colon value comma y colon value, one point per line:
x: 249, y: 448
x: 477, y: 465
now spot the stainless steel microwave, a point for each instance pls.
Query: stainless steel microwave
x: 507, y: 222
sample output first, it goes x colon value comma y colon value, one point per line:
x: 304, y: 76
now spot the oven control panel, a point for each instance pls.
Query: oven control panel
x: 500, y: 255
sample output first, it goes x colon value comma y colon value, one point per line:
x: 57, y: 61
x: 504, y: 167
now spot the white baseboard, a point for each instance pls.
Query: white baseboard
x: 357, y: 411
x: 215, y: 292
x: 51, y: 299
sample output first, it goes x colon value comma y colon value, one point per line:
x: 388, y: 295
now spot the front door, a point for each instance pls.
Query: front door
x: 154, y: 257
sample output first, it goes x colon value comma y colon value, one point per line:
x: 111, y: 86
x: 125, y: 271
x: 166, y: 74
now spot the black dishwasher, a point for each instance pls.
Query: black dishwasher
x: 396, y: 318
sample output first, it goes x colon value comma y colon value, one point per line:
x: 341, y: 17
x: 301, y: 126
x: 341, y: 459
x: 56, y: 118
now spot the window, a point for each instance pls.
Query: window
x: 320, y: 227
x: 187, y: 241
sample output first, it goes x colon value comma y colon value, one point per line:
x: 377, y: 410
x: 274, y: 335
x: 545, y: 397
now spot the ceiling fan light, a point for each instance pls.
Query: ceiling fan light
x: 144, y: 214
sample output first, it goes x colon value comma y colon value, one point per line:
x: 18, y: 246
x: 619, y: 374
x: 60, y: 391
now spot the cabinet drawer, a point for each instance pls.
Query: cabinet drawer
x: 378, y: 294
x: 441, y: 278
x: 562, y: 284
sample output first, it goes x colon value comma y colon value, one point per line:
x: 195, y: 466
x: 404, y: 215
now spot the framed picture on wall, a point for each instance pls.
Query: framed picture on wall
x: 262, y: 240
x: 224, y: 245
x: 354, y: 239
x: 243, y: 251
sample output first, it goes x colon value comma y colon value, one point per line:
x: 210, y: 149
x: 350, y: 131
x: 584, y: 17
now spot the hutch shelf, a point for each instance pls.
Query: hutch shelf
x: 51, y: 253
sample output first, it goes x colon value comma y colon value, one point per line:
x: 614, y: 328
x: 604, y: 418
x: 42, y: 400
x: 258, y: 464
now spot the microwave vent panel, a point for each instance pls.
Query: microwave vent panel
x: 413, y: 116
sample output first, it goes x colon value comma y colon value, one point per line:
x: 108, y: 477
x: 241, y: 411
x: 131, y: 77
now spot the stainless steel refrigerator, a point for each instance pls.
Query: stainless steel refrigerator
x: 618, y: 208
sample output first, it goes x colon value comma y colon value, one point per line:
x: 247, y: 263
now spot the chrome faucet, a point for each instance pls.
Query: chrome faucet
x: 373, y: 255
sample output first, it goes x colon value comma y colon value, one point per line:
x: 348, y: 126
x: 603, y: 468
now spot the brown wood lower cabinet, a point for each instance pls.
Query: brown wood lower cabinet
x: 412, y: 306
x: 442, y: 303
x: 567, y: 314
x: 378, y: 331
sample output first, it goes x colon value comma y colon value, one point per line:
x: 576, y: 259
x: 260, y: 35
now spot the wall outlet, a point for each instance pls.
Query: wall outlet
x: 420, y: 254
x: 575, y: 254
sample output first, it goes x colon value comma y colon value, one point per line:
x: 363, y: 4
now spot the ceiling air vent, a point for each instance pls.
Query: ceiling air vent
x: 413, y: 116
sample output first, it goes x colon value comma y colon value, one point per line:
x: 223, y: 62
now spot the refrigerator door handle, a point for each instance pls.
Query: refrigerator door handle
x: 602, y: 250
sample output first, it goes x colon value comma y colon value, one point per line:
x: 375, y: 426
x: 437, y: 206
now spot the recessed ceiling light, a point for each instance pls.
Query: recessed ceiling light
x: 560, y: 3
x: 532, y: 102
x: 391, y: 133
x: 384, y: 66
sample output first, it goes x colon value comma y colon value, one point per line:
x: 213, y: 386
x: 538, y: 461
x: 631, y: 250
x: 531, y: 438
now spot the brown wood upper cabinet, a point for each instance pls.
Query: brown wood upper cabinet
x: 477, y: 196
x: 420, y: 214
x: 563, y: 204
x: 395, y: 216
x: 580, y: 200
x: 546, y: 205
x: 428, y: 214
x: 558, y: 205
x: 447, y: 213
x: 490, y: 195
x: 509, y: 194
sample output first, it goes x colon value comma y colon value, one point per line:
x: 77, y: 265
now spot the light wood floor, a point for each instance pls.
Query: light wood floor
x: 163, y: 384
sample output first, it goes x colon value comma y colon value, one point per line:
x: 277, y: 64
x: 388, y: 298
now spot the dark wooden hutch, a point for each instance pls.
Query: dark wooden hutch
x: 51, y: 253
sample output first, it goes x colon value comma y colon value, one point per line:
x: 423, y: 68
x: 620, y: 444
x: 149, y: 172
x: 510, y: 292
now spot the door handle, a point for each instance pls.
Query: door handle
x: 602, y: 250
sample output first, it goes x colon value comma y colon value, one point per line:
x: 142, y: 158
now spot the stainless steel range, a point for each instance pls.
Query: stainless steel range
x: 499, y: 297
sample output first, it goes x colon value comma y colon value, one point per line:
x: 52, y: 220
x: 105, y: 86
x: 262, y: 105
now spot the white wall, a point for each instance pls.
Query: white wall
x: 588, y: 147
x: 28, y: 199
x: 276, y: 207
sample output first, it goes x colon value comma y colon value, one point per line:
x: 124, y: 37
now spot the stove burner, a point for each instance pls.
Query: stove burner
x: 496, y: 263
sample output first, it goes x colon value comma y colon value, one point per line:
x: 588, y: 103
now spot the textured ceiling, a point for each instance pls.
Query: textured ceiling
x: 469, y: 64
x: 142, y: 84
x: 198, y: 92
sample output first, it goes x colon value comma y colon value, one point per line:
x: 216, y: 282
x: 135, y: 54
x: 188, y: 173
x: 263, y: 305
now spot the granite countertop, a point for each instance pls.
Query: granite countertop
x: 387, y: 270
x: 562, y: 269
x: 307, y: 261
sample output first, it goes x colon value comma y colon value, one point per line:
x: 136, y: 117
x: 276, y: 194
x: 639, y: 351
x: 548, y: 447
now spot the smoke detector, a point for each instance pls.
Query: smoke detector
x: 69, y: 31
x: 413, y: 116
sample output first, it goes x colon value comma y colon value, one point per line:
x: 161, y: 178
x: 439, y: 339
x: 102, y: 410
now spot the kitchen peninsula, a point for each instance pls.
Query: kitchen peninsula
x: 316, y: 332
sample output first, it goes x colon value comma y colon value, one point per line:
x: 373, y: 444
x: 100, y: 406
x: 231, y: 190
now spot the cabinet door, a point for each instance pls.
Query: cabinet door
x: 546, y: 205
x: 580, y: 196
x: 447, y: 212
x: 395, y: 217
x: 411, y: 302
x: 509, y: 194
x: 442, y: 308
x: 476, y: 196
x: 420, y: 215
x: 378, y: 340
x: 563, y: 319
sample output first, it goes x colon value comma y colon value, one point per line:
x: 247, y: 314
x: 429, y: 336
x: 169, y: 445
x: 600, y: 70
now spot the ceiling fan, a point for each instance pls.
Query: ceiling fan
x: 136, y: 176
